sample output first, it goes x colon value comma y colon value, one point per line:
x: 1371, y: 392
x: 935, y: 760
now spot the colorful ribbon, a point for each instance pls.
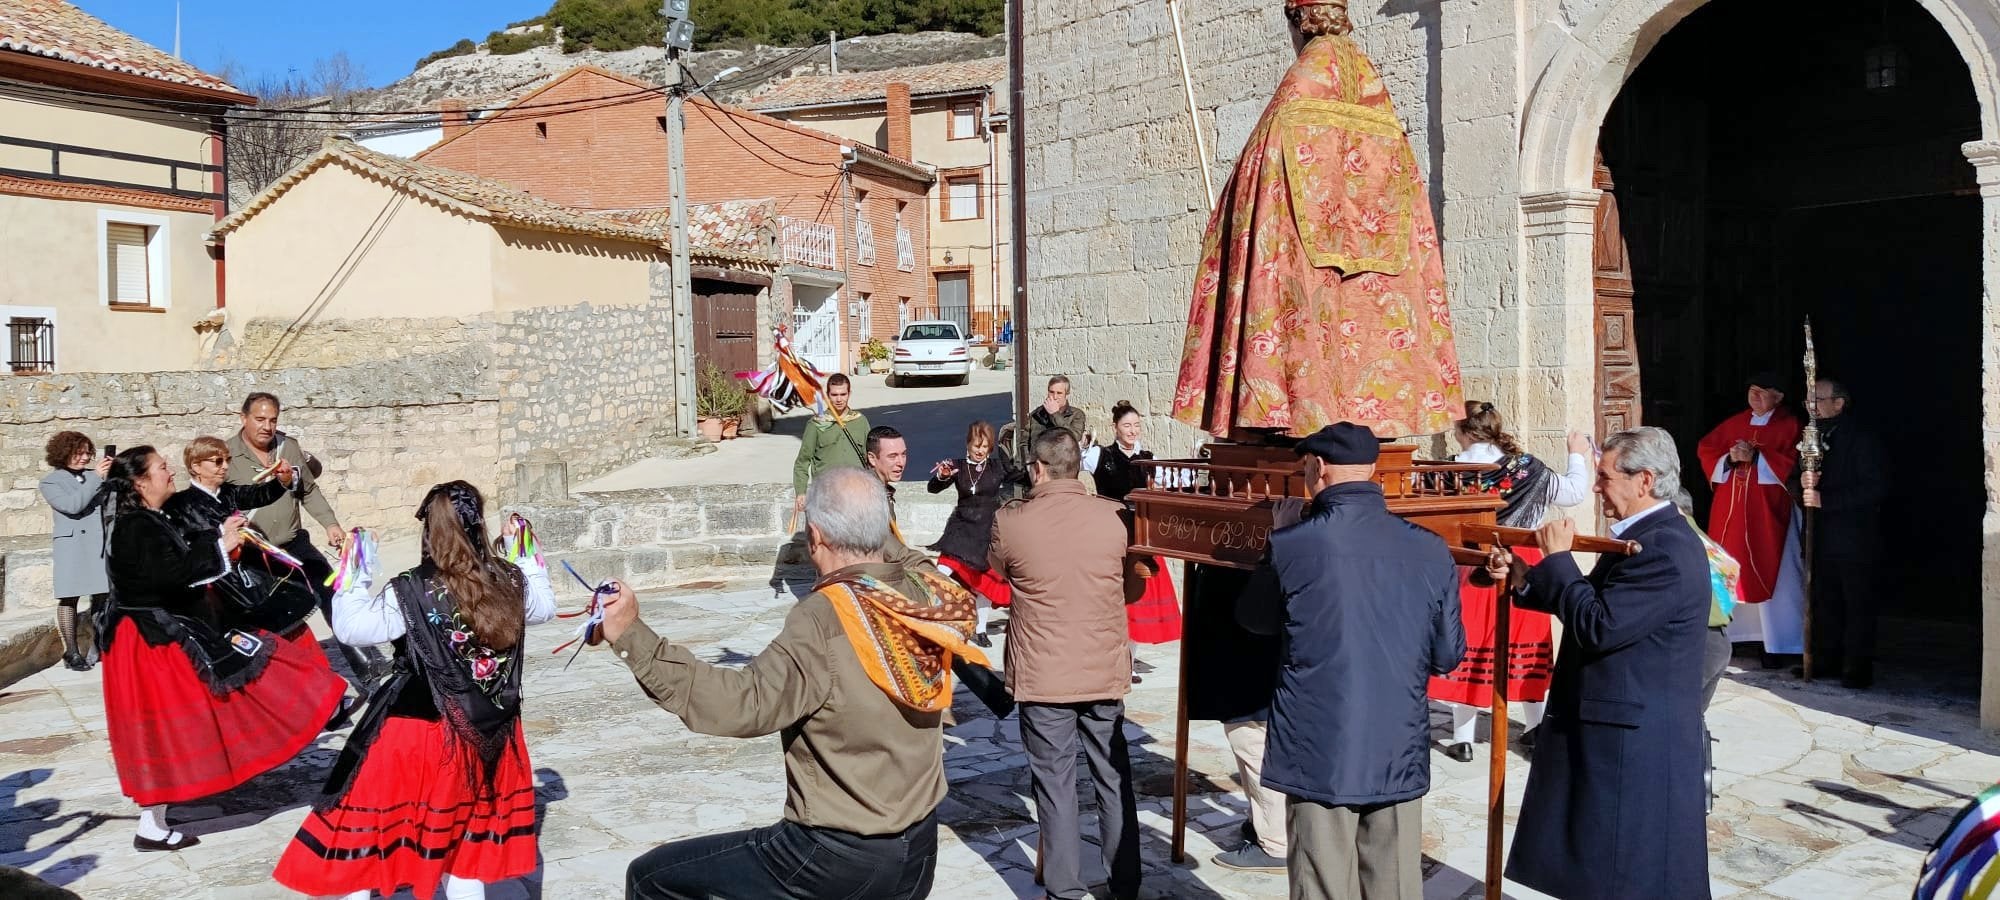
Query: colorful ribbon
x: 586, y: 634
x: 1961, y: 866
x: 523, y: 544
x: 357, y: 560
x: 271, y: 550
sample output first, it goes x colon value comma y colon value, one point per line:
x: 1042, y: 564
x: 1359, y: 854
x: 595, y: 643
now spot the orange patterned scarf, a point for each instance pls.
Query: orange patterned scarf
x: 906, y: 644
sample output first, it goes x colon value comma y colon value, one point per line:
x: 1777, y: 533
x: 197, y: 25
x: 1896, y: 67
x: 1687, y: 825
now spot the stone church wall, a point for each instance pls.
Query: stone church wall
x: 1116, y: 212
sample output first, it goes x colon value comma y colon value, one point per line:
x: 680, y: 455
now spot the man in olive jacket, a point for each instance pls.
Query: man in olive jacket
x: 832, y: 440
x: 1371, y: 612
x: 864, y: 770
x: 1069, y: 661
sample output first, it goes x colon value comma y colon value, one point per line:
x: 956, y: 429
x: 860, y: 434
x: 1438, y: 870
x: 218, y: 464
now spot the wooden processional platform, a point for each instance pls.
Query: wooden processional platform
x: 1218, y: 511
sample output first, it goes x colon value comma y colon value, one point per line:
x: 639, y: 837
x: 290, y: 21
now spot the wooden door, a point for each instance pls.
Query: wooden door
x: 725, y: 325
x: 1617, y: 351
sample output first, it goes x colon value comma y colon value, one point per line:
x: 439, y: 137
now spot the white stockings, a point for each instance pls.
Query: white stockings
x: 153, y: 824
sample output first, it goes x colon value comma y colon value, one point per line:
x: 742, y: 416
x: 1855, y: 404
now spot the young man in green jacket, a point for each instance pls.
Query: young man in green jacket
x: 831, y: 440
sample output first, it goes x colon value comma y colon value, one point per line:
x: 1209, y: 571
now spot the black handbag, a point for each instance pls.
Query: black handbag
x: 276, y: 601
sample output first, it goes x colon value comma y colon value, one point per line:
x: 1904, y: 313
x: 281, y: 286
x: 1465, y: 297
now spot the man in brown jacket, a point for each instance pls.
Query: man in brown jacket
x: 864, y: 770
x: 1069, y: 662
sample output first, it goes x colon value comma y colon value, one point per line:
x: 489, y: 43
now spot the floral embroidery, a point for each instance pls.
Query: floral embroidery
x: 1322, y: 243
x: 489, y: 669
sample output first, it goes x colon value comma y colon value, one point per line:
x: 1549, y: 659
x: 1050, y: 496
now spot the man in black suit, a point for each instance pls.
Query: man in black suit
x: 1847, y: 540
x: 1615, y: 805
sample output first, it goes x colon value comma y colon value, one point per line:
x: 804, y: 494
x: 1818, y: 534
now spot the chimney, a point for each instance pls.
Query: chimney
x: 451, y: 114
x: 899, y: 120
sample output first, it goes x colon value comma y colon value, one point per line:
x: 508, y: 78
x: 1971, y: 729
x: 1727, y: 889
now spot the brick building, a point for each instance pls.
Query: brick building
x: 956, y: 117
x: 854, y: 235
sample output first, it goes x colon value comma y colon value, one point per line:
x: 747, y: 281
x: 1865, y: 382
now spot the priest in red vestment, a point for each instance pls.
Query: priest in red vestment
x: 1748, y: 459
x: 1320, y: 297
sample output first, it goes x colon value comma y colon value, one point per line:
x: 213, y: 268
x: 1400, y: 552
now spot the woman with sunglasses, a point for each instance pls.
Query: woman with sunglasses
x: 434, y: 788
x: 192, y: 706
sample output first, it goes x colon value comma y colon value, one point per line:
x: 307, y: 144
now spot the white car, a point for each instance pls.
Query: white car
x: 933, y: 348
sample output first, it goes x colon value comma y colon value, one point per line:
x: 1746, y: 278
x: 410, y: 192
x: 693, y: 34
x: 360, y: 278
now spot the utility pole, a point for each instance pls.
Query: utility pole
x: 1017, y: 165
x: 680, y: 37
x: 833, y: 52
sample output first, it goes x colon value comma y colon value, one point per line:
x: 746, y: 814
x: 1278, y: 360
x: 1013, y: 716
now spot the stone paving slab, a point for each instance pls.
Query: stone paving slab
x: 1824, y: 793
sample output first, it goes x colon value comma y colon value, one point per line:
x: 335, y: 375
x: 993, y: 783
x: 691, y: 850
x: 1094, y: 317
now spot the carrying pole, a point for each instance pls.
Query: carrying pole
x: 1193, y: 112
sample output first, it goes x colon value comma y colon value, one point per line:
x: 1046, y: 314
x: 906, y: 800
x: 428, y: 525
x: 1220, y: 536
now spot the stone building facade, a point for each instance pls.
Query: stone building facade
x: 1508, y: 106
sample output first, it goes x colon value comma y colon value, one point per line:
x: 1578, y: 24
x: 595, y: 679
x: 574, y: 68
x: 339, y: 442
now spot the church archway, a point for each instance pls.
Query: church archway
x: 1757, y: 180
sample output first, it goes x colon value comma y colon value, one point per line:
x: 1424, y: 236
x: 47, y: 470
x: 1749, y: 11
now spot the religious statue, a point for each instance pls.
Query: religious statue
x: 1321, y: 297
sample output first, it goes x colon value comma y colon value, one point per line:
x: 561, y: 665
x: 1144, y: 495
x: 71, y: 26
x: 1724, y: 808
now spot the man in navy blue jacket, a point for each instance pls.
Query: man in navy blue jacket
x: 1616, y: 802
x: 1371, y: 612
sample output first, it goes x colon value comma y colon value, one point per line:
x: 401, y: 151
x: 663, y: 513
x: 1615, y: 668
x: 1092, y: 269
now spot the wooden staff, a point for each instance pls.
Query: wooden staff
x: 1503, y: 664
x: 1810, y: 451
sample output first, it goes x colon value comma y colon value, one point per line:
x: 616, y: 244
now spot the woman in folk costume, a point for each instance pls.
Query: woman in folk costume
x: 191, y: 709
x: 1320, y: 297
x: 980, y: 476
x: 1528, y: 487
x: 434, y: 786
x: 1154, y: 618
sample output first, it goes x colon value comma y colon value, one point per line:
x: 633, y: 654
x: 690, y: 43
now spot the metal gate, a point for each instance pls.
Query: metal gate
x: 725, y: 325
x: 954, y: 299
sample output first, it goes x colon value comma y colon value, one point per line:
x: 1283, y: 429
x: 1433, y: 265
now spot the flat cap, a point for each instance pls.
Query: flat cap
x: 1342, y: 444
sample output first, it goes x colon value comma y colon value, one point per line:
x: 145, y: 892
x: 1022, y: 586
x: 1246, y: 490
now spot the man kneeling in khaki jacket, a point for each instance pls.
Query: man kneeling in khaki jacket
x: 1069, y: 662
x: 857, y: 683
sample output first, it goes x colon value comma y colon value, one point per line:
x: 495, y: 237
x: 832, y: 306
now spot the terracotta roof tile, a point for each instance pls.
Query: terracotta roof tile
x: 59, y: 30
x: 939, y: 78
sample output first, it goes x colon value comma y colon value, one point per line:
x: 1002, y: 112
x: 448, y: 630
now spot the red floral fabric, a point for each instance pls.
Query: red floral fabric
x: 1320, y: 297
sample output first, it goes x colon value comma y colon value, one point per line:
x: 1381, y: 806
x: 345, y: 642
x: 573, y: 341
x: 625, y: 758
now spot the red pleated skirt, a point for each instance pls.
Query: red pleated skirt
x: 1530, y: 640
x: 984, y: 582
x: 1155, y: 618
x: 412, y: 817
x: 174, y: 741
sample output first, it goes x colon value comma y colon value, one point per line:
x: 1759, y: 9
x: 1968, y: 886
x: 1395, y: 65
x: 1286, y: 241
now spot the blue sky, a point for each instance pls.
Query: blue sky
x: 386, y: 37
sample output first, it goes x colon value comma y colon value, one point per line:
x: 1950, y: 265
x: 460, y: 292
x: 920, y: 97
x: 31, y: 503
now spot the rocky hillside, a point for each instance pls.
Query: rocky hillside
x: 491, y: 79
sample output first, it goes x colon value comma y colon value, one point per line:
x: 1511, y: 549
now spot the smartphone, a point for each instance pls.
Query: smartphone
x: 110, y: 450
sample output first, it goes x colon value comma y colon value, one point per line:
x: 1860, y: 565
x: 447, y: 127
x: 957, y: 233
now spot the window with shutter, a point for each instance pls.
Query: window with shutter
x: 126, y: 253
x: 963, y: 201
x: 964, y: 121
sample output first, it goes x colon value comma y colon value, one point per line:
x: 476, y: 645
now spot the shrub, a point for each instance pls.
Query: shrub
x: 717, y: 394
x: 504, y: 44
x: 464, y: 47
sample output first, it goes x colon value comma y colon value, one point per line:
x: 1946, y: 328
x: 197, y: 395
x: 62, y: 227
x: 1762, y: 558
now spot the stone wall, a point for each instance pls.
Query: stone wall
x: 385, y: 431
x: 1116, y: 206
x: 284, y: 344
x: 592, y: 383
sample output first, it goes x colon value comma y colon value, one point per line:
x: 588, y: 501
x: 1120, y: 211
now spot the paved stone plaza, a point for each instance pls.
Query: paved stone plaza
x: 1825, y: 794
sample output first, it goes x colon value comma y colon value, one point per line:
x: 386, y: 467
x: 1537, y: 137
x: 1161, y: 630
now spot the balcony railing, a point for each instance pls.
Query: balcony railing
x: 808, y: 243
x: 31, y: 346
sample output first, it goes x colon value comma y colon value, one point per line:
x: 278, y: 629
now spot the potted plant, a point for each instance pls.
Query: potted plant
x: 719, y: 402
x: 876, y: 355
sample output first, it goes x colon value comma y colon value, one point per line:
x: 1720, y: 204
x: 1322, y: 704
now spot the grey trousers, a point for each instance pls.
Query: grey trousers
x: 1715, y: 657
x: 1349, y: 852
x: 1051, y: 732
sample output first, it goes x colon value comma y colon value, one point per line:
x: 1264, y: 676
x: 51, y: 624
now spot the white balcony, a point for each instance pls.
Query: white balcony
x: 808, y: 243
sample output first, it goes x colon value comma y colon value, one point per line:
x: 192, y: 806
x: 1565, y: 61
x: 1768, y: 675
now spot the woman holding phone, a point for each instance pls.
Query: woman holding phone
x: 74, y: 491
x: 434, y: 788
